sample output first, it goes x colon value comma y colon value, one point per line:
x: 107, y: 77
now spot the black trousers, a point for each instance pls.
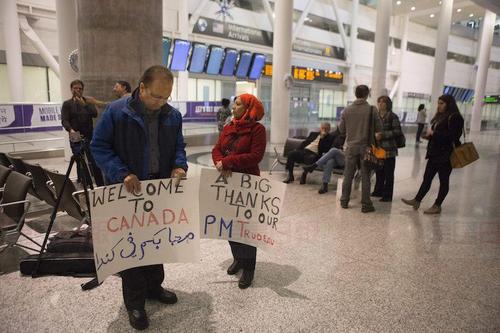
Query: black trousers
x: 384, y: 184
x: 301, y: 156
x: 443, y: 169
x: 419, y: 131
x: 139, y: 283
x: 245, y: 254
x: 84, y: 147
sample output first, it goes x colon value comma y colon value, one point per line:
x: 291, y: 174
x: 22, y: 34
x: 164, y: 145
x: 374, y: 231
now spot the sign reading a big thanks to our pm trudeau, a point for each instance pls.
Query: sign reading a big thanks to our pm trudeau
x: 158, y: 225
x: 242, y: 208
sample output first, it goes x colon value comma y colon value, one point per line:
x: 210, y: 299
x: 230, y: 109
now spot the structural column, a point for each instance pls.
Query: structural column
x: 118, y: 40
x: 282, y: 55
x: 384, y: 11
x: 352, y: 46
x: 441, y: 53
x: 405, y: 20
x: 483, y: 63
x: 183, y: 76
x: 12, y: 37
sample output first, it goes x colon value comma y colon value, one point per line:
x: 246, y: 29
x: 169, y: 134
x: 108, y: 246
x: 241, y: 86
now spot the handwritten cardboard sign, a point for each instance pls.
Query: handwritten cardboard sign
x: 156, y: 226
x: 242, y: 208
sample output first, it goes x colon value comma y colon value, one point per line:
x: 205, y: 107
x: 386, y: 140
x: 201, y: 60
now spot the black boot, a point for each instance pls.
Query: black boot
x: 303, y: 178
x: 234, y: 268
x: 323, y: 188
x: 245, y: 279
x: 290, y: 178
x: 310, y: 167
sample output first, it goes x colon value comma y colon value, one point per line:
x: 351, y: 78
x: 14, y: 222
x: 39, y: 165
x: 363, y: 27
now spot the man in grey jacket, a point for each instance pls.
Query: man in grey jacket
x: 355, y: 124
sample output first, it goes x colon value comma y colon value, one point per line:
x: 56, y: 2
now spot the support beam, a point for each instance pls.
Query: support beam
x: 340, y: 25
x: 196, y: 15
x: 12, y: 39
x: 483, y: 63
x: 395, y: 88
x: 38, y: 44
x: 441, y: 53
x: 301, y: 20
x: 405, y: 20
x: 269, y: 12
x: 379, y: 73
x: 281, y: 85
x: 352, y: 46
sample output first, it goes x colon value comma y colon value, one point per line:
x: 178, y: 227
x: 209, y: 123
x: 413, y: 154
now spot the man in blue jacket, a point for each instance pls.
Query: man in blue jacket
x: 140, y: 138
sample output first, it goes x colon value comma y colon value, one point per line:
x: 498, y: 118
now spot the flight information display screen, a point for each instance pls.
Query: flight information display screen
x: 258, y: 62
x: 215, y: 59
x: 180, y: 55
x: 243, y: 64
x: 198, y: 58
x: 229, y: 62
x: 166, y: 42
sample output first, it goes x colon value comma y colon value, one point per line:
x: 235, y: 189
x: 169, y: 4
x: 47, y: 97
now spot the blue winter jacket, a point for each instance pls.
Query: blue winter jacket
x: 120, y: 143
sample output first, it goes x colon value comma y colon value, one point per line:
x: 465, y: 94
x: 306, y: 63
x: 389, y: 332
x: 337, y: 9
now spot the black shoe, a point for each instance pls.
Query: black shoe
x: 386, y: 199
x: 289, y: 179
x: 138, y: 319
x: 303, y: 178
x: 164, y: 296
x: 245, y: 279
x: 367, y: 209
x: 344, y: 204
x: 310, y: 168
x: 323, y: 188
x: 376, y: 194
x: 234, y: 268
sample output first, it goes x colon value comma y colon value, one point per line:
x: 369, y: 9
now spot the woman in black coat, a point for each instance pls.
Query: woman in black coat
x: 444, y: 133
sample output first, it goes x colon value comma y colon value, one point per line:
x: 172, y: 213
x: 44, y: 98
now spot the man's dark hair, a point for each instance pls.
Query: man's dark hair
x: 225, y: 102
x: 125, y: 85
x: 362, y: 91
x: 421, y: 107
x: 156, y: 73
x: 75, y: 82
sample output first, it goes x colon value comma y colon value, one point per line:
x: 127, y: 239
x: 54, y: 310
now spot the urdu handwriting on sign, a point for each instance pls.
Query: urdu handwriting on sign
x: 156, y: 241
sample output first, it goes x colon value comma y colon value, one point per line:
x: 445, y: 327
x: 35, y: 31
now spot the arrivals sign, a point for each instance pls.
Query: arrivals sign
x: 310, y: 74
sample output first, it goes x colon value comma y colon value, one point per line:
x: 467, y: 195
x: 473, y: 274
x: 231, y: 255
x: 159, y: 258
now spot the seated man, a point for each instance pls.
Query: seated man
x: 333, y: 159
x: 316, y: 144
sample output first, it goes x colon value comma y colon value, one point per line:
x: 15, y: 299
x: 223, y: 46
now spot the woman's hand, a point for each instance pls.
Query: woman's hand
x: 430, y: 132
x: 220, y: 168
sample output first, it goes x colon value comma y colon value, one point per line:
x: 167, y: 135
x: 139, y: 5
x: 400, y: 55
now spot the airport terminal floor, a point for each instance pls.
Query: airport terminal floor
x: 394, y: 270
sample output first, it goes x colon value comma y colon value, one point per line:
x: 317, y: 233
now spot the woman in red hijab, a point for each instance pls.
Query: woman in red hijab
x: 240, y: 148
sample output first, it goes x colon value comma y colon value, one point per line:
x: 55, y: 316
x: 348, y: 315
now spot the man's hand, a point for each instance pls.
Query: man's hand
x: 132, y: 184
x: 79, y: 100
x: 378, y: 136
x: 178, y: 174
x: 219, y: 166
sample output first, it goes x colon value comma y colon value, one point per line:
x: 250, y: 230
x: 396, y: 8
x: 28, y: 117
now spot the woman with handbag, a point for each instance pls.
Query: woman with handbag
x: 391, y: 129
x: 421, y: 116
x: 443, y: 135
x: 240, y: 148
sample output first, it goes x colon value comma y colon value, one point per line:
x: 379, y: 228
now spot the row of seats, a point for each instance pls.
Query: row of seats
x: 43, y: 184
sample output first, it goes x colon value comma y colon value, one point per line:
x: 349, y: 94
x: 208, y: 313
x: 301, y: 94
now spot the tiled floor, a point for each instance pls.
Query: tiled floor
x: 395, y: 270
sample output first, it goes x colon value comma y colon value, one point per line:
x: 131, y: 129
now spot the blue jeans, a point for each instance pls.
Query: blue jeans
x: 334, y: 158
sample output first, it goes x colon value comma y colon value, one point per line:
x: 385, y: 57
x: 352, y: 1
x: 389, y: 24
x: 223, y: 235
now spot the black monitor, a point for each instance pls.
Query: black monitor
x: 215, y: 60
x: 243, y: 64
x: 180, y: 55
x: 258, y: 62
x: 229, y: 62
x: 198, y: 58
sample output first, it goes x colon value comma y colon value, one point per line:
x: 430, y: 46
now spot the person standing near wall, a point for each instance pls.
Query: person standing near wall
x: 421, y: 117
x: 223, y: 114
x: 77, y: 115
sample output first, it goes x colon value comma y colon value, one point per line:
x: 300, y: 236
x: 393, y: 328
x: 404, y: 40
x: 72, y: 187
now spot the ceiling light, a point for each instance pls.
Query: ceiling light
x: 440, y: 2
x: 412, y: 8
x: 459, y: 10
x: 431, y: 16
x: 398, y: 2
x: 471, y: 15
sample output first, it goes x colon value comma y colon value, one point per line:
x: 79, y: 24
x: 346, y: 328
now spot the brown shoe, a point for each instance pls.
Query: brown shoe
x: 435, y: 209
x: 412, y: 202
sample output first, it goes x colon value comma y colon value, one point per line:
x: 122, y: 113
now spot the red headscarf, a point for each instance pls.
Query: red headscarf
x: 254, y: 110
